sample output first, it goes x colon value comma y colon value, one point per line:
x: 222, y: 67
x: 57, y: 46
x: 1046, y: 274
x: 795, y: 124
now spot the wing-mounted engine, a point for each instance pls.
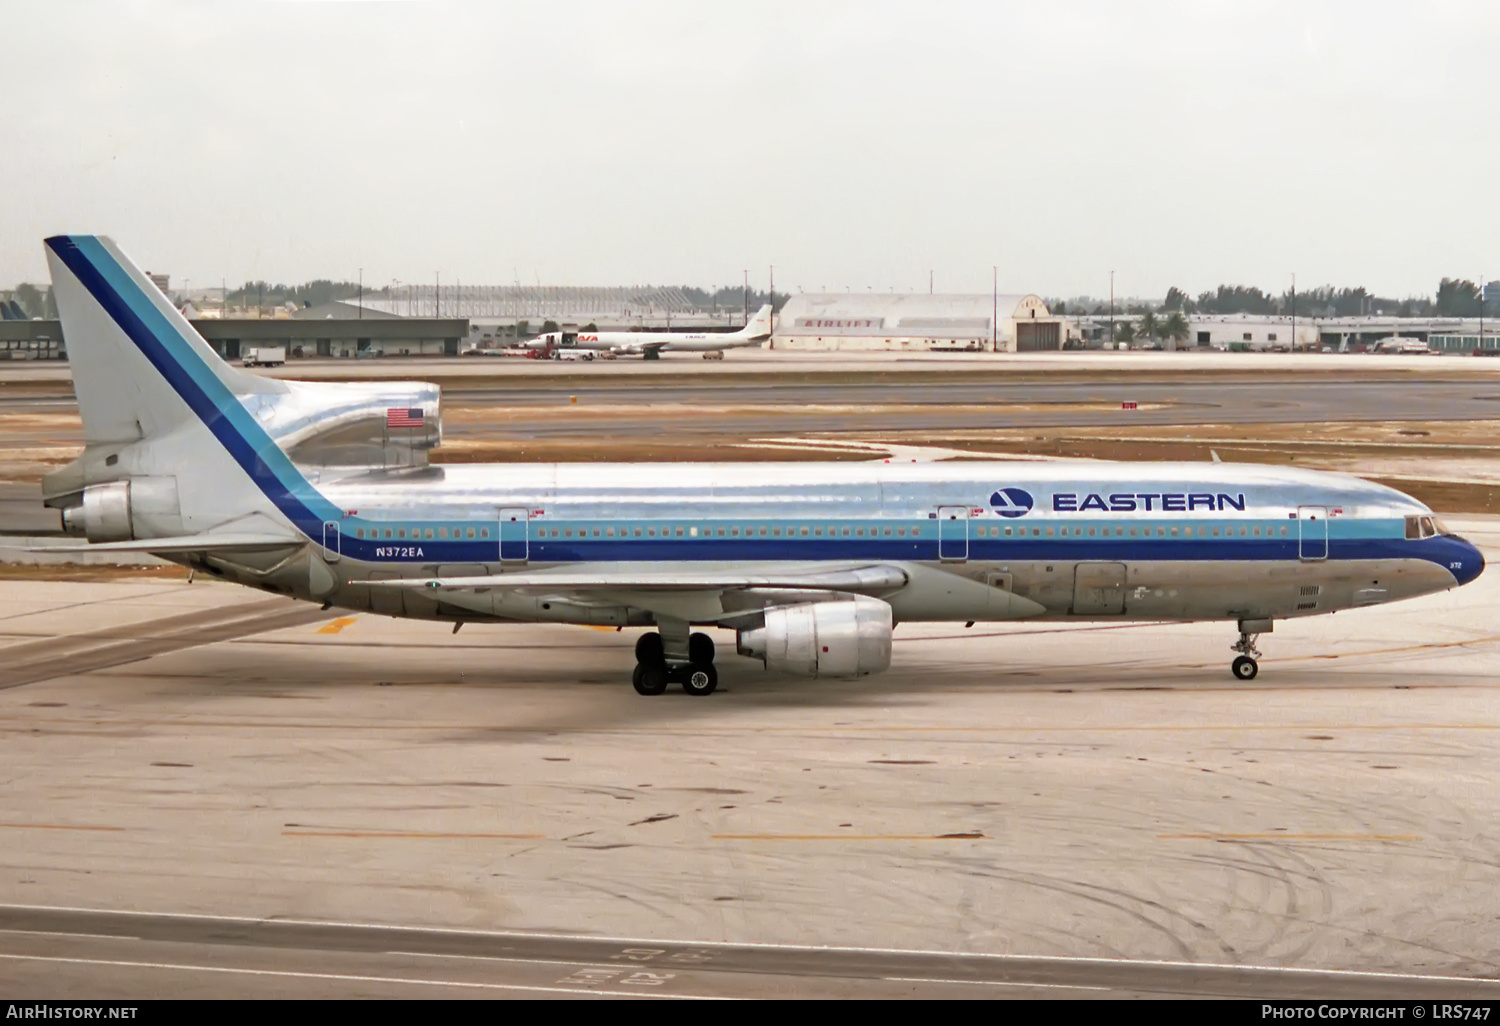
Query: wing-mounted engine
x: 359, y: 424
x: 844, y: 638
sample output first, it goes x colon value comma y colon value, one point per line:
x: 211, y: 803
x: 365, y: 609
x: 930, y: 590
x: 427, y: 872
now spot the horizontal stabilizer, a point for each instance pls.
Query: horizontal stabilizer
x: 208, y: 542
x: 862, y: 580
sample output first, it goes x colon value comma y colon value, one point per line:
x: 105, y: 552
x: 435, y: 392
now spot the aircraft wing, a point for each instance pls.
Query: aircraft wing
x: 208, y: 542
x: 857, y: 579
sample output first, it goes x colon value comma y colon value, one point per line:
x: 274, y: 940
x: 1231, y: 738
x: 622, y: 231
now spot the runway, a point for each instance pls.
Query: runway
x: 505, y: 408
x: 134, y: 954
x: 334, y: 805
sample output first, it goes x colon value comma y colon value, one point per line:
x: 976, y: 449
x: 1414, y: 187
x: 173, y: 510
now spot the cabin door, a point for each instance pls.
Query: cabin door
x: 1312, y: 532
x: 515, y: 527
x: 331, y: 541
x: 953, y: 533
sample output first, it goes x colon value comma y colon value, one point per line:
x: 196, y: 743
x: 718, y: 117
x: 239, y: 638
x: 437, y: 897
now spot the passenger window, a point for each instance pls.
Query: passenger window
x: 1255, y: 531
x: 609, y: 532
x: 845, y: 532
x: 484, y: 532
x: 470, y: 532
x: 650, y: 532
x: 1161, y: 532
x: 817, y: 532
x: 1007, y: 532
x: 887, y: 532
x: 900, y: 532
x: 775, y: 532
x: 1283, y: 532
x: 1187, y: 532
x: 804, y: 532
x: 568, y: 533
x: 734, y: 532
x: 859, y: 532
x: 1091, y: 532
x: 637, y: 532
x: 763, y: 531
x: 1174, y: 532
x: 678, y: 532
x: 1049, y: 532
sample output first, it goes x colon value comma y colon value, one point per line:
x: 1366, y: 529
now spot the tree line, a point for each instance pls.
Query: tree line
x: 1456, y: 297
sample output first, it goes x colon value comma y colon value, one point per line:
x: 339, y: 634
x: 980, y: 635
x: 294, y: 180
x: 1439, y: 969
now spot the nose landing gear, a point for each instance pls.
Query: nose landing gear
x: 1244, y: 666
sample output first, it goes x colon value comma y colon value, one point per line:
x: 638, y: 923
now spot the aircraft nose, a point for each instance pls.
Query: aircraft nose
x: 1468, y: 561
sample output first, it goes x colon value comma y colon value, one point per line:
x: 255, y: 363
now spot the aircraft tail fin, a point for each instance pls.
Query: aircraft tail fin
x: 759, y: 326
x: 171, y: 445
x: 130, y: 350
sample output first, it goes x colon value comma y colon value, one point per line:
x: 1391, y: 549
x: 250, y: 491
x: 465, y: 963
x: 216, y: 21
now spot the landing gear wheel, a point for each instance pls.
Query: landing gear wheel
x: 1245, y: 668
x: 701, y: 648
x: 699, y: 678
x: 649, y: 680
x: 649, y: 650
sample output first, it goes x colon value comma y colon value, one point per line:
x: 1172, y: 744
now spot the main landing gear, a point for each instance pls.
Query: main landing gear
x: 659, y: 662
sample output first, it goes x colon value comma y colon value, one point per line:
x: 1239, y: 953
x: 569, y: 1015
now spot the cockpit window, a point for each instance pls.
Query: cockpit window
x: 1422, y: 527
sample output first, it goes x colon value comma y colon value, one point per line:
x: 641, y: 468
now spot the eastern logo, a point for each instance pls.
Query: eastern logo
x: 1012, y: 502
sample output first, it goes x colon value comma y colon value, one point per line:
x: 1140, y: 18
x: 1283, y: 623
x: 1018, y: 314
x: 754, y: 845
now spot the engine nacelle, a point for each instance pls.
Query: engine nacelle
x: 104, y: 514
x: 144, y: 507
x: 846, y: 638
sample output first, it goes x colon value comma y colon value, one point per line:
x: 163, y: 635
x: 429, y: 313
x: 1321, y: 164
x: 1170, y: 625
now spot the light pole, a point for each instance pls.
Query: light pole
x: 747, y: 297
x: 995, y: 311
x: 1294, y: 311
x: 1111, y: 307
x: 361, y: 301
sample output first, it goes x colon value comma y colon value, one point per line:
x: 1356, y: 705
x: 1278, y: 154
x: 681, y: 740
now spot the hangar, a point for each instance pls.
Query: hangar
x: 853, y: 321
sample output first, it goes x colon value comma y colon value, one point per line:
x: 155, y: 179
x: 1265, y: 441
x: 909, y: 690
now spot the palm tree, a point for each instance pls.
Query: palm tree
x: 1176, y: 328
x: 1150, y: 328
x: 1124, y: 332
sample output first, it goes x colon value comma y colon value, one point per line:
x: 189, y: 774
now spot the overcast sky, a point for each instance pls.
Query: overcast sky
x: 850, y: 144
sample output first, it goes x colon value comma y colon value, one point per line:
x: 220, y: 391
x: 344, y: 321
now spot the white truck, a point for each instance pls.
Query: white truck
x: 263, y: 356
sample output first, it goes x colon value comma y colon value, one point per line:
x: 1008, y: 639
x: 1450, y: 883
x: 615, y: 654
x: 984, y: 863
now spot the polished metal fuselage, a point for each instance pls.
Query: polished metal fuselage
x: 1094, y: 540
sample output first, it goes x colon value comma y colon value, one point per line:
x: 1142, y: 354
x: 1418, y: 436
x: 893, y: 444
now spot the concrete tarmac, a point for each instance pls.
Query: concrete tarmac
x: 209, y: 792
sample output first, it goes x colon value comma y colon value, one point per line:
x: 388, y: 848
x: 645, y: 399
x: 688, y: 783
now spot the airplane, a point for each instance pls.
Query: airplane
x: 323, y: 492
x: 651, y: 344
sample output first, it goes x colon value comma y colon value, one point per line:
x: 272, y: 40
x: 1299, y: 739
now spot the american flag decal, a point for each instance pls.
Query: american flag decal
x: 403, y: 417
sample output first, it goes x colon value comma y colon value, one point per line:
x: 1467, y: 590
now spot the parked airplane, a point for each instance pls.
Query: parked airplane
x: 321, y: 492
x: 651, y: 344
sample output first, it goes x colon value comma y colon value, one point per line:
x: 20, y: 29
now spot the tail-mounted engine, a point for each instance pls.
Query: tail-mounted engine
x: 844, y: 638
x: 122, y: 510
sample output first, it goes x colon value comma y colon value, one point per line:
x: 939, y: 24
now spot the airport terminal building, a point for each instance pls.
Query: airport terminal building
x: 872, y: 321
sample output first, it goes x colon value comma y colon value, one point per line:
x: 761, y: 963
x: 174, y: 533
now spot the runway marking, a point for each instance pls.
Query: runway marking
x: 1288, y: 837
x: 992, y: 983
x: 337, y: 626
x: 657, y: 942
x: 417, y: 834
x: 61, y: 826
x: 850, y: 837
x: 354, y: 978
x: 712, y: 731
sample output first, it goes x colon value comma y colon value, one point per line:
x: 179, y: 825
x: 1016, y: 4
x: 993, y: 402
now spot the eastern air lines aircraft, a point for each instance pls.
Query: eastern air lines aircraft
x: 650, y: 344
x: 323, y: 492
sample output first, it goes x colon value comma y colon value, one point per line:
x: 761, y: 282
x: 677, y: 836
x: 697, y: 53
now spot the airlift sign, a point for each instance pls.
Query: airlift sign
x: 1129, y: 502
